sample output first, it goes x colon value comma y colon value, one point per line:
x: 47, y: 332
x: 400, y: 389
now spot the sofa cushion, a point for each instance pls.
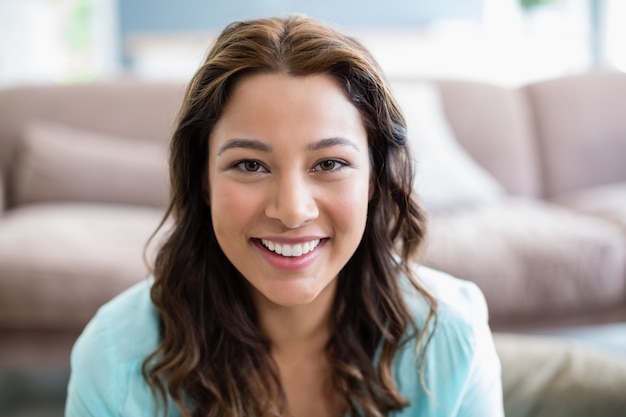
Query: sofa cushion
x: 123, y: 107
x: 607, y: 201
x: 581, y: 130
x: 532, y: 260
x: 60, y: 163
x: 446, y: 176
x: 494, y: 124
x: 60, y: 262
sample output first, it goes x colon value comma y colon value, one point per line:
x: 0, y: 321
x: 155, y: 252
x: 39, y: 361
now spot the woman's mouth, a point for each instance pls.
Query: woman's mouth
x: 290, y: 257
x: 288, y: 250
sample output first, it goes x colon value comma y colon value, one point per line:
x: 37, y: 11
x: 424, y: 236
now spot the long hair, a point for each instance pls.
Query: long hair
x: 212, y: 359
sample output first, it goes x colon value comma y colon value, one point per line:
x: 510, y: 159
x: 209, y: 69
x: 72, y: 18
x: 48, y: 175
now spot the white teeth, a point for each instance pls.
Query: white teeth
x: 291, y: 250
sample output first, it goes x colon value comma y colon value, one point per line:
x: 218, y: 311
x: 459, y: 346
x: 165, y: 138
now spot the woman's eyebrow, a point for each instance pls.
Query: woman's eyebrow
x: 329, y: 142
x: 257, y: 145
x: 254, y: 144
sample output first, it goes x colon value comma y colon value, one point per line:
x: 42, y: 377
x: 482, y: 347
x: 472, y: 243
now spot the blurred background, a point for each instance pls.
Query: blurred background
x: 503, y: 41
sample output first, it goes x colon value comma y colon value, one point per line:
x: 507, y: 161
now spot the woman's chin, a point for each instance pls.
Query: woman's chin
x: 293, y: 294
x: 291, y: 299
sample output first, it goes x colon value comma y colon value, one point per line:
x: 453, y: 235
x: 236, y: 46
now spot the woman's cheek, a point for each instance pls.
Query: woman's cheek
x: 350, y: 203
x: 234, y: 203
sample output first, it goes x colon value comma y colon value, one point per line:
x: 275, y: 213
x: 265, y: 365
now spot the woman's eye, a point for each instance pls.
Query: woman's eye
x: 250, y: 165
x: 330, y: 165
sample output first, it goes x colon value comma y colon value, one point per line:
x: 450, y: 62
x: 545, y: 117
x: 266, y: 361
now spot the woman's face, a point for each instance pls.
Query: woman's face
x: 289, y: 179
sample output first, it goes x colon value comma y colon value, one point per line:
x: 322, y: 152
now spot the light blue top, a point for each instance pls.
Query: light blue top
x: 461, y: 368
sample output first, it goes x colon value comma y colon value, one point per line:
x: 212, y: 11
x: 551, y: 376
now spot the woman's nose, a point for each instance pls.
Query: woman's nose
x: 292, y: 202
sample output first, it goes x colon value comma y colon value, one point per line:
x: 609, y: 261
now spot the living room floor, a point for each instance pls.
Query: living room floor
x: 33, y: 394
x: 42, y: 394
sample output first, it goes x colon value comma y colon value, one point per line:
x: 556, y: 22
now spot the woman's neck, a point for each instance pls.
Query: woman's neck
x: 299, y: 336
x: 303, y: 329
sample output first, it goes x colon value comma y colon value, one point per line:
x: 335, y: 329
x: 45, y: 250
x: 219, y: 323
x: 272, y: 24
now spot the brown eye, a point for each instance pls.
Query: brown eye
x: 328, y: 165
x: 250, y: 165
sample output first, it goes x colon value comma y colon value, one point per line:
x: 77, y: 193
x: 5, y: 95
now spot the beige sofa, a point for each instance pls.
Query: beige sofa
x: 85, y: 184
x: 84, y: 175
x: 547, y: 248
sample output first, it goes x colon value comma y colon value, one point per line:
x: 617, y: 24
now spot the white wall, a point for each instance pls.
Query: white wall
x: 33, y: 47
x: 507, y: 47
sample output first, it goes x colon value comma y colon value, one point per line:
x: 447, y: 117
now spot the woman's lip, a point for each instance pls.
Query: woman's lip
x: 289, y: 263
x: 290, y: 241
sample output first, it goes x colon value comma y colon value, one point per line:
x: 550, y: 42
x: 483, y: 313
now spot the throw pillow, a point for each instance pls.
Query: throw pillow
x: 62, y: 163
x: 446, y: 175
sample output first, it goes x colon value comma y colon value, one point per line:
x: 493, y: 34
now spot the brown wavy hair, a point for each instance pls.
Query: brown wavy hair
x: 212, y: 359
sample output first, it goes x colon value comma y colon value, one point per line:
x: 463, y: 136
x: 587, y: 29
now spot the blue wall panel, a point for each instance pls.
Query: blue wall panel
x: 150, y: 16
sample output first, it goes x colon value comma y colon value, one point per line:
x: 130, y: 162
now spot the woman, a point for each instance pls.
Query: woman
x: 286, y: 287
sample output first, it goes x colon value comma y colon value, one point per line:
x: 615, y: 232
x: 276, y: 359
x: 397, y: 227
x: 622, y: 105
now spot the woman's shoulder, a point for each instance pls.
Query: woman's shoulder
x: 459, y: 302
x: 129, y: 322
x: 108, y: 356
x: 461, y: 315
x: 459, y: 361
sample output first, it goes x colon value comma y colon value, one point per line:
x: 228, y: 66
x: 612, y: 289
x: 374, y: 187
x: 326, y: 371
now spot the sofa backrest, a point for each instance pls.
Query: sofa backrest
x: 140, y: 112
x: 543, y: 139
x: 581, y: 130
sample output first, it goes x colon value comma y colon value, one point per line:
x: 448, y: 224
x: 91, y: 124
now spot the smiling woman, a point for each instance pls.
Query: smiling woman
x: 290, y: 186
x: 287, y: 285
